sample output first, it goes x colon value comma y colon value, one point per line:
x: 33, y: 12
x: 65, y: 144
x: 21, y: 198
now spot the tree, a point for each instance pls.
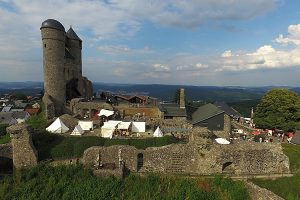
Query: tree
x: 279, y: 108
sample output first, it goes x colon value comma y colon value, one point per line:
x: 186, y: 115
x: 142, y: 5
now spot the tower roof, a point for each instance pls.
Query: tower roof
x: 52, y: 23
x: 72, y: 35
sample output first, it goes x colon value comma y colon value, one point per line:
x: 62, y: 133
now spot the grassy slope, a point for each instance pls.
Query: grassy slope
x: 74, y: 182
x: 287, y: 187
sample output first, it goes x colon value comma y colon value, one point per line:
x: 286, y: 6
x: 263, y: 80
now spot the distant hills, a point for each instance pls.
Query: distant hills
x: 162, y: 92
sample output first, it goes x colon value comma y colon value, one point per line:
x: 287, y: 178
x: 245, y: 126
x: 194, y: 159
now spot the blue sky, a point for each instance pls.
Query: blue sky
x: 191, y: 42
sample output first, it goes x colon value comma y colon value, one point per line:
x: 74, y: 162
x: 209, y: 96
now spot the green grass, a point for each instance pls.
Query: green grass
x: 5, y: 138
x: 286, y: 187
x: 74, y: 182
x: 53, y: 146
x: 293, y: 152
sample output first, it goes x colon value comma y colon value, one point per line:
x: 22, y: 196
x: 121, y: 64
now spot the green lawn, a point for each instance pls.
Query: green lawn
x: 287, y: 187
x: 5, y: 139
x: 54, y: 146
x: 74, y: 182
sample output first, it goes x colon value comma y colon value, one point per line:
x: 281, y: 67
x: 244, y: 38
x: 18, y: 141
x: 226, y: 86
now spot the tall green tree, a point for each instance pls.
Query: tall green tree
x: 279, y: 108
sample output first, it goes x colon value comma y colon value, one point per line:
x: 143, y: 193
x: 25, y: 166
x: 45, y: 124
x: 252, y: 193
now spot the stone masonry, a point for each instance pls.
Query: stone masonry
x: 199, y: 157
x: 24, y: 152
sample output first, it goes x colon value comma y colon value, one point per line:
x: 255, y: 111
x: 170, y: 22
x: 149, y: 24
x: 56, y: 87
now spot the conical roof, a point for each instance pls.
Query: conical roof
x: 72, y: 35
x: 52, y: 23
x: 57, y: 127
x: 157, y: 132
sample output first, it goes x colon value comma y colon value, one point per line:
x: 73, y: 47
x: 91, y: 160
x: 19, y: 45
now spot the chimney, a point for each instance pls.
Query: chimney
x: 181, y: 98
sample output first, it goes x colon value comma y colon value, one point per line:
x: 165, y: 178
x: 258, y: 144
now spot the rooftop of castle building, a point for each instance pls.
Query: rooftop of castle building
x: 72, y: 35
x: 52, y: 23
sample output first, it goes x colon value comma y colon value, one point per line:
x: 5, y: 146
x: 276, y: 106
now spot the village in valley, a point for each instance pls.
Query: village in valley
x: 201, y: 140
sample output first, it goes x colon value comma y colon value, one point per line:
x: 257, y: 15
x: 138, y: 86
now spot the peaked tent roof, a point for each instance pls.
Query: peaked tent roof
x: 77, y: 130
x: 105, y: 112
x: 158, y: 133
x: 72, y: 35
x: 296, y: 138
x: 205, y: 112
x: 57, y: 127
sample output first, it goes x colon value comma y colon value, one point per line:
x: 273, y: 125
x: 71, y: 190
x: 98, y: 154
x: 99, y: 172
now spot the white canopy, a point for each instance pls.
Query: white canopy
x: 86, y: 125
x: 111, y: 124
x: 77, y: 130
x: 158, y: 133
x: 222, y: 141
x: 57, y: 127
x: 107, y: 132
x: 138, y: 127
x: 124, y: 125
x: 104, y: 112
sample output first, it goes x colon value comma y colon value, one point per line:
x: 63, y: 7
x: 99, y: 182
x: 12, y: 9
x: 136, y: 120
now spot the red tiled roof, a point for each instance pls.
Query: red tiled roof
x: 32, y: 111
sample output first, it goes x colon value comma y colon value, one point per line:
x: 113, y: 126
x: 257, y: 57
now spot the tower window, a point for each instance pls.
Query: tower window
x: 45, y: 45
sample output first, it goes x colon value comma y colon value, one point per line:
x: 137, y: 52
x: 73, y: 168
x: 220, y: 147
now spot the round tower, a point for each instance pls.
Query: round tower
x: 53, y: 39
x: 74, y: 44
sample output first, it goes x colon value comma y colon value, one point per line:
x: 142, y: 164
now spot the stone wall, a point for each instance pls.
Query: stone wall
x: 6, y: 150
x: 49, y: 106
x: 195, y: 158
x: 24, y: 153
x: 150, y: 112
x: 225, y: 133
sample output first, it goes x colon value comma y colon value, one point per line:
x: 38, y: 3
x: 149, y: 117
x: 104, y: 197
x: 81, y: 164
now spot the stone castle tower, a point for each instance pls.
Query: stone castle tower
x: 62, y: 62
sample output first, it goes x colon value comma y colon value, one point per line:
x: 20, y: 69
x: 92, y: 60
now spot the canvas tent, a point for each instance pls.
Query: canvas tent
x: 158, y: 133
x: 77, y: 130
x: 105, y: 113
x: 107, y: 130
x: 57, y: 127
x: 86, y: 125
x: 296, y: 138
x: 124, y: 125
x: 138, y: 127
x: 222, y: 141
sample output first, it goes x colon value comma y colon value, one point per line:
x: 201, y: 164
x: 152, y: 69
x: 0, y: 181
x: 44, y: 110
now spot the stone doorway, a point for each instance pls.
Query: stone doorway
x: 140, y: 161
x: 228, y: 168
x: 6, y: 165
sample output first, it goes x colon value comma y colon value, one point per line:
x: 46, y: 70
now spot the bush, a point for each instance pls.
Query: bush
x: 5, y: 138
x: 3, y: 129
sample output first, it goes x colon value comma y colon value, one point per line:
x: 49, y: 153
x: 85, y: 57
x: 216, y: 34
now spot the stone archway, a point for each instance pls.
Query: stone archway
x: 140, y: 161
x: 228, y: 168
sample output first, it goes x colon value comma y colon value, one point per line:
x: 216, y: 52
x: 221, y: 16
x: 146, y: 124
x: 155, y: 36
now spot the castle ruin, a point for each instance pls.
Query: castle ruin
x: 62, y: 62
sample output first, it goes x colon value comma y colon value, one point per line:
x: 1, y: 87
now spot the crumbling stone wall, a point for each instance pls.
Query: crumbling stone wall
x: 6, y: 150
x: 24, y: 152
x: 198, y: 157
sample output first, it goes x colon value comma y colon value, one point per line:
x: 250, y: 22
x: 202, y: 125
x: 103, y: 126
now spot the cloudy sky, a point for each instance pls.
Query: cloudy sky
x: 190, y: 42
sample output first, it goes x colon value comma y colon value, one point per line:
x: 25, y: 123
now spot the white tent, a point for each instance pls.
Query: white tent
x: 86, y: 125
x: 77, y: 130
x: 106, y: 113
x: 107, y: 132
x: 138, y: 127
x: 57, y: 127
x: 158, y: 133
x: 111, y: 124
x: 124, y: 125
x: 222, y: 141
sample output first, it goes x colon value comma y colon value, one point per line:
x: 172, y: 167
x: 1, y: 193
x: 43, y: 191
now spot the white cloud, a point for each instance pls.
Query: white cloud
x: 122, y: 50
x: 161, y: 67
x: 293, y: 36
